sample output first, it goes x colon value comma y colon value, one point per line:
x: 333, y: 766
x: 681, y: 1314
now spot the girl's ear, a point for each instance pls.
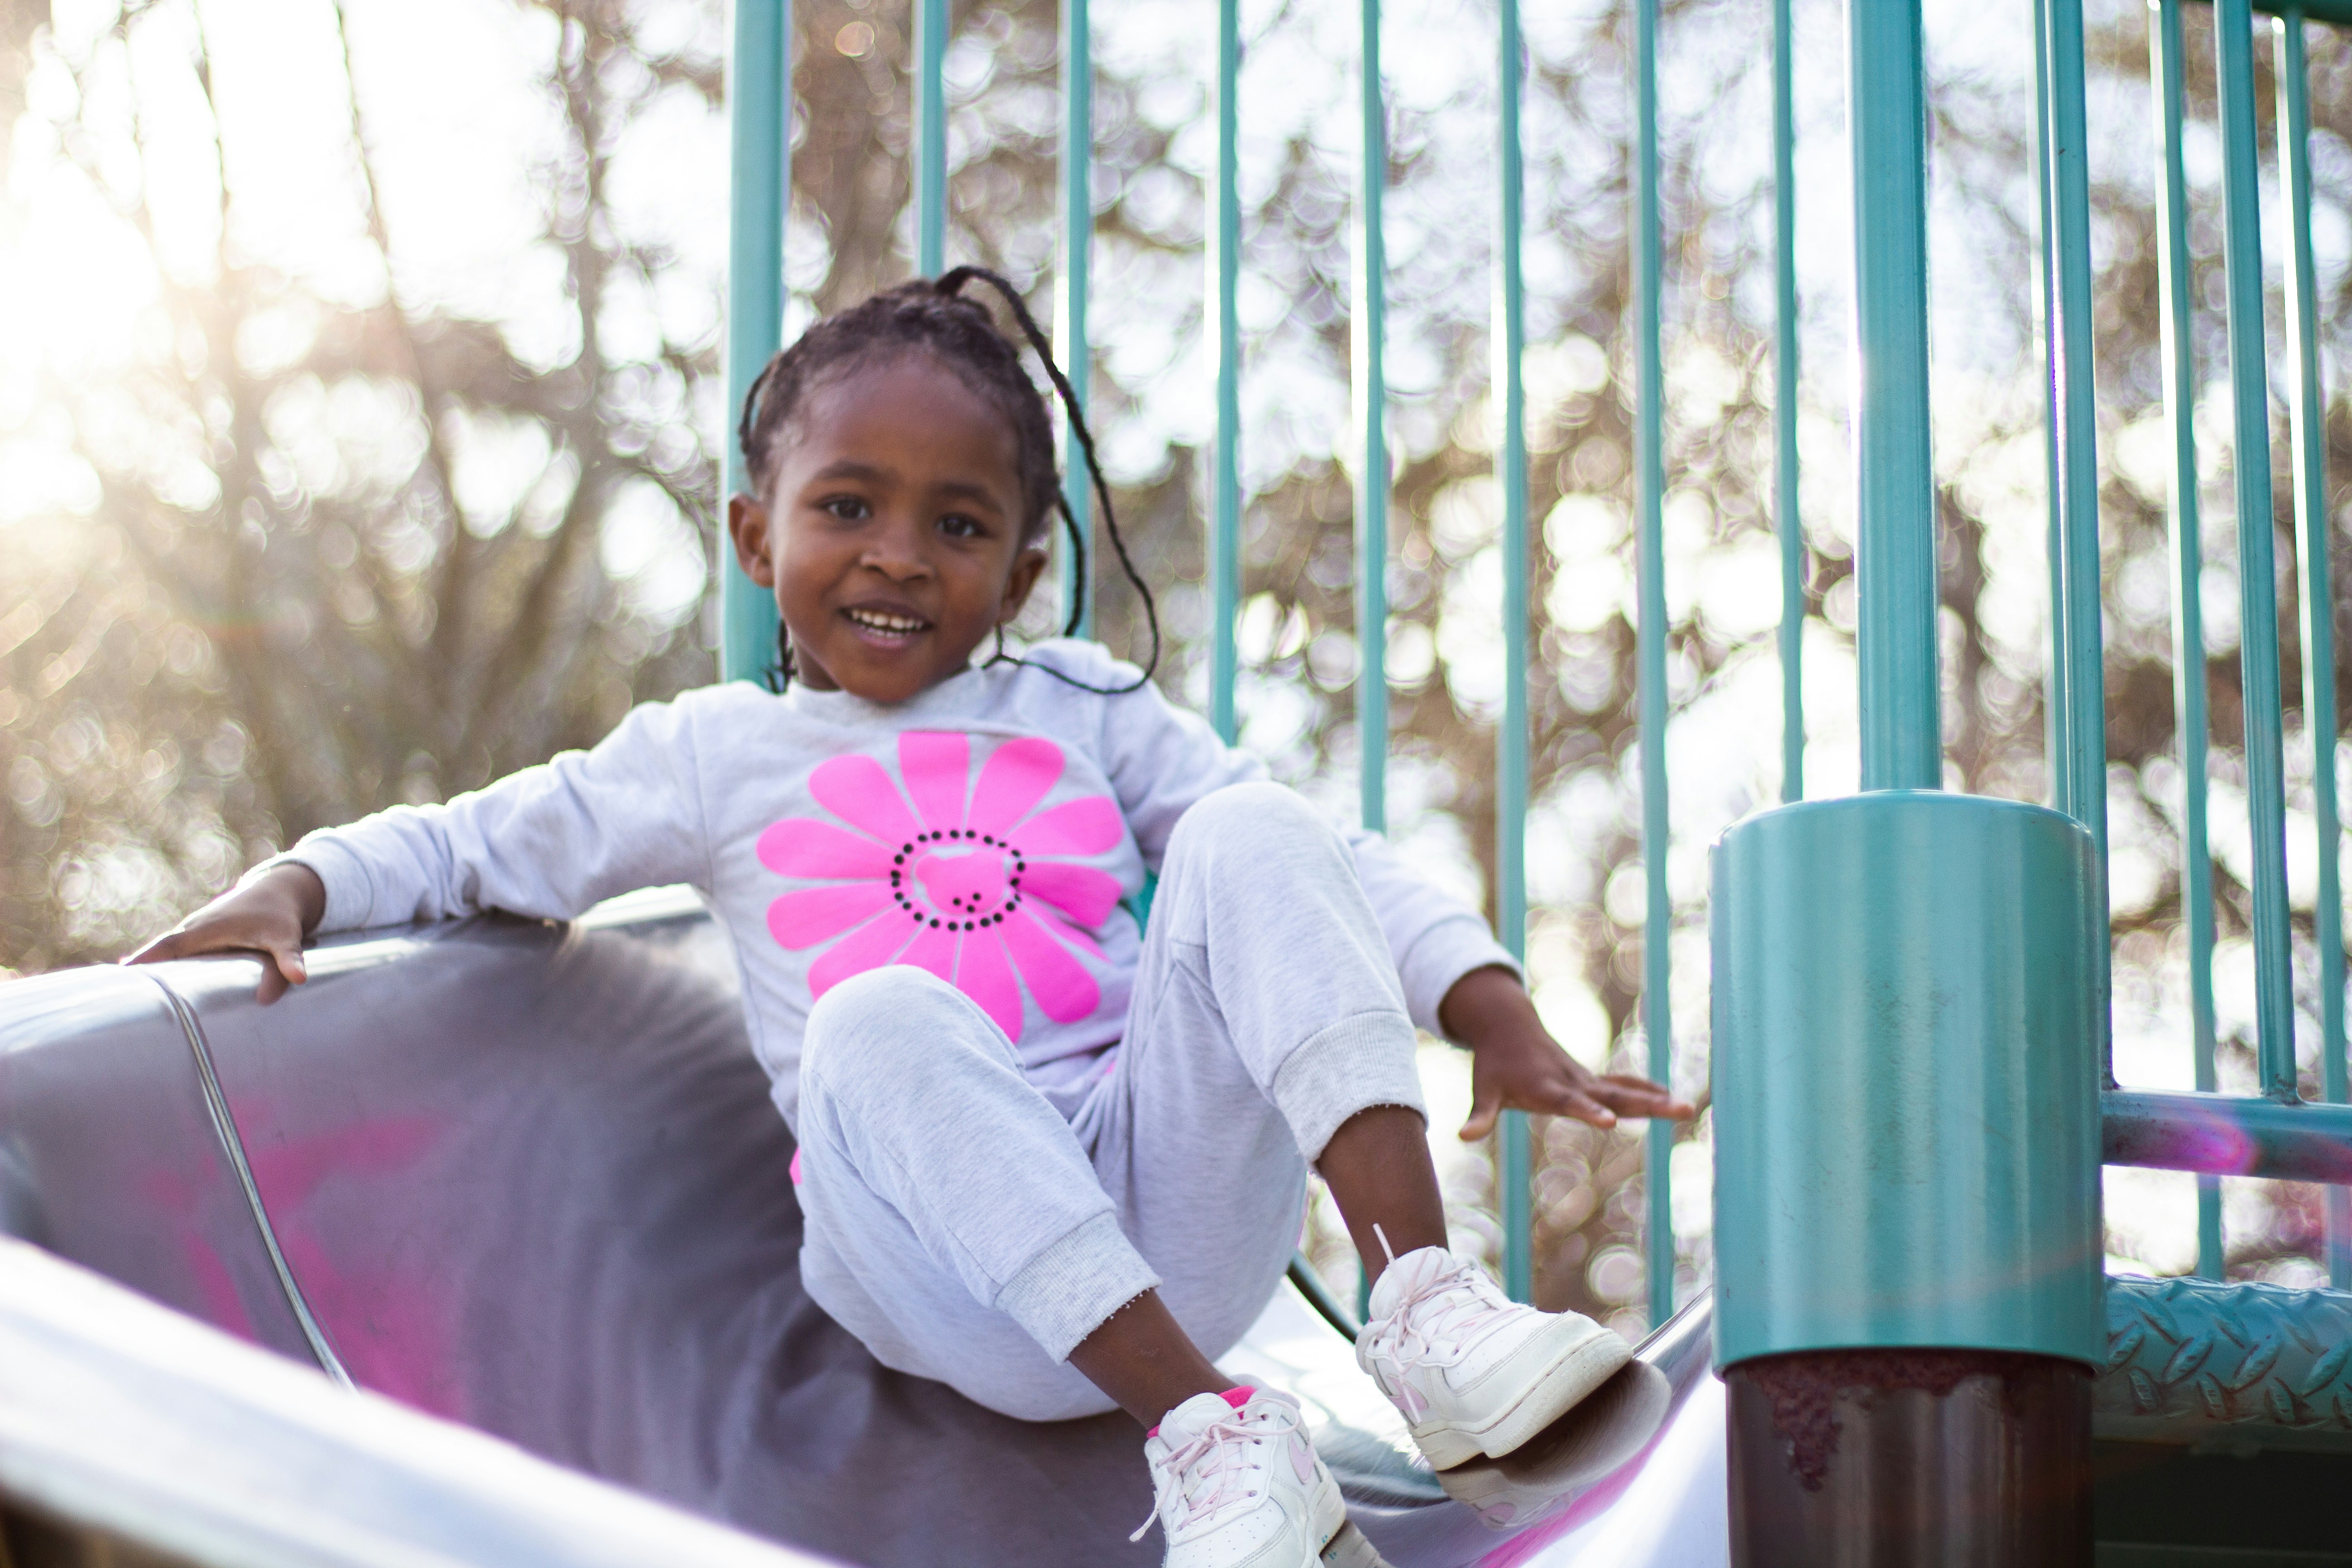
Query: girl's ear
x: 1026, y: 569
x: 747, y: 521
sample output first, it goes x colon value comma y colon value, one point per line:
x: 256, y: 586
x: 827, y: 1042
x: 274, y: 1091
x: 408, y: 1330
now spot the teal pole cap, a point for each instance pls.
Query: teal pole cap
x: 1907, y: 1018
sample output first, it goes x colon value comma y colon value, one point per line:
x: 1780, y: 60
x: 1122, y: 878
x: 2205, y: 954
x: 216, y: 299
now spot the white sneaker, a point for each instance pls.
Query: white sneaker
x: 1473, y: 1371
x: 1240, y: 1487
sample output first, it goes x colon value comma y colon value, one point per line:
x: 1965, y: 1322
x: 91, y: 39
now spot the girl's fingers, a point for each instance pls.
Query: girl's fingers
x: 1570, y: 1100
x: 281, y: 966
x: 1627, y: 1092
x: 1485, y: 1108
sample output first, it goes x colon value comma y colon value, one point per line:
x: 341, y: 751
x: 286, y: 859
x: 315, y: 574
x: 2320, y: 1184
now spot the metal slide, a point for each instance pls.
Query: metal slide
x: 526, y: 1179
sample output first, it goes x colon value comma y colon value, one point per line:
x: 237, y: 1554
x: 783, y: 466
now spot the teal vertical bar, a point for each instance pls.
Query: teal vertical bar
x: 1514, y: 1157
x: 1225, y: 482
x: 1894, y: 546
x: 1784, y: 407
x: 1369, y: 339
x: 1650, y: 644
x: 2309, y: 409
x: 2053, y: 685
x: 759, y: 98
x: 2074, y: 398
x: 1071, y: 342
x: 930, y: 137
x: 2258, y: 652
x: 2174, y: 277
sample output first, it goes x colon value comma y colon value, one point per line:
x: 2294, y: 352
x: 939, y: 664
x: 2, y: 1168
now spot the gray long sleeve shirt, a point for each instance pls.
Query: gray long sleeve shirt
x: 988, y: 830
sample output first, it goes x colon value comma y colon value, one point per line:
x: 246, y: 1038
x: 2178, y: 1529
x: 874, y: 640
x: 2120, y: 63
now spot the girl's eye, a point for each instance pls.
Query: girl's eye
x: 849, y: 508
x: 956, y: 525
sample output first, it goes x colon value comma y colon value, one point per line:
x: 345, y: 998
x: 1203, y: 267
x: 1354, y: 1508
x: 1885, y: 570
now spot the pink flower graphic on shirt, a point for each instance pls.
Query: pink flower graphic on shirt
x: 968, y: 880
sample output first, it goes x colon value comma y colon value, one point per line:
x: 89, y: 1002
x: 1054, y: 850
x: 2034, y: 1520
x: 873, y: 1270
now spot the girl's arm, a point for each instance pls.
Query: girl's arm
x: 550, y: 841
x: 1161, y: 759
x: 1459, y: 983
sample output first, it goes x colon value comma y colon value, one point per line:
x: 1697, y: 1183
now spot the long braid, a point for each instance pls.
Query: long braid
x: 952, y: 282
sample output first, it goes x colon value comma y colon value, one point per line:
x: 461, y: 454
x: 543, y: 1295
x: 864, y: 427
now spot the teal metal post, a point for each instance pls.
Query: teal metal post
x: 1907, y: 989
x: 1368, y: 339
x: 2309, y: 410
x: 1785, y: 513
x: 930, y: 137
x: 1225, y: 337
x: 1650, y: 649
x: 758, y: 96
x: 1513, y: 1163
x: 1070, y: 340
x: 1895, y: 545
x: 2175, y: 273
x: 2258, y: 651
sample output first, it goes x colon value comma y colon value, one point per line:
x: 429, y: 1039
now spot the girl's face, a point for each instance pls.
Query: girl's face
x: 891, y: 531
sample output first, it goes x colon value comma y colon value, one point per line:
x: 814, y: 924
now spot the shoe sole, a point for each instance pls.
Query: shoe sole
x: 1349, y: 1549
x: 1576, y: 1372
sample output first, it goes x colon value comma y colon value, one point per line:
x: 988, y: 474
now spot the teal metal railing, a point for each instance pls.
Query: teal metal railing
x: 2271, y: 1133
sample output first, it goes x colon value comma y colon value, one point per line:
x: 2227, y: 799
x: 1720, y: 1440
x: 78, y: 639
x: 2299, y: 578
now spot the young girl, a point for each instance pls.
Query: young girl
x: 1047, y: 1156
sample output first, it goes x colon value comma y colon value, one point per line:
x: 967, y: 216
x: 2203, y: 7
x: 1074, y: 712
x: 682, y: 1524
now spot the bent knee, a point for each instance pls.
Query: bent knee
x: 1251, y: 819
x: 891, y: 1021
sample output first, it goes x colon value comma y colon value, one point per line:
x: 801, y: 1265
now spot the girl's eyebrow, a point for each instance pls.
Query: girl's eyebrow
x: 971, y: 489
x: 851, y: 468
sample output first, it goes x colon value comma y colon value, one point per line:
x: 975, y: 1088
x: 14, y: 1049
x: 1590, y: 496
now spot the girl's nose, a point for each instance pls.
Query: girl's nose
x: 898, y: 553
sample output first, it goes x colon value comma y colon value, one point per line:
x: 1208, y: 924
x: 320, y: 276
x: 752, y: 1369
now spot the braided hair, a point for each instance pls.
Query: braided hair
x: 937, y: 316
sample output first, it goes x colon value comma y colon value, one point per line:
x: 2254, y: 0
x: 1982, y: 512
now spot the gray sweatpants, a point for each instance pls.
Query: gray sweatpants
x: 971, y: 1228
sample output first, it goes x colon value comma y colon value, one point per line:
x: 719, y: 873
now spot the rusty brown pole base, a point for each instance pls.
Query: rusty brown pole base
x: 1910, y: 1458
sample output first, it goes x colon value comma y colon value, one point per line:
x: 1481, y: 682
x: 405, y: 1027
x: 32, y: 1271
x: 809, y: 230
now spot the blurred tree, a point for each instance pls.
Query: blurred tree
x: 288, y: 606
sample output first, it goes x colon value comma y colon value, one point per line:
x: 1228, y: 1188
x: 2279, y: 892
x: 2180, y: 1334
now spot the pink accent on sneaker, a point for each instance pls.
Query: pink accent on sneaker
x: 1237, y: 1397
x: 795, y: 1168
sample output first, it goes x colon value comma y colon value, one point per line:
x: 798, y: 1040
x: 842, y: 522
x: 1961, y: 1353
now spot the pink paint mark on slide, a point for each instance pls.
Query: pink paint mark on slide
x: 393, y: 1327
x: 177, y: 1194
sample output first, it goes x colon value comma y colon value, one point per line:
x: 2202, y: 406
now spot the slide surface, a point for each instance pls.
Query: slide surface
x: 527, y: 1178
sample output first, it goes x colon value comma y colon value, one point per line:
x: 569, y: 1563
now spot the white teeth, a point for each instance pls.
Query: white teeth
x: 884, y: 621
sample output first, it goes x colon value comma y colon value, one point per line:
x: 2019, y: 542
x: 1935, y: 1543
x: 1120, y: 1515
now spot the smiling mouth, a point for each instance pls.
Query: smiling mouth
x: 887, y: 624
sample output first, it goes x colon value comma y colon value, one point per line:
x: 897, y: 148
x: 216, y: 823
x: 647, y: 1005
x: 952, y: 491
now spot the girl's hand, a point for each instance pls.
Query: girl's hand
x: 269, y: 916
x: 1516, y: 1065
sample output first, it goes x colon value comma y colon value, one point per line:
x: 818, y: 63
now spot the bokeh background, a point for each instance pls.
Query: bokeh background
x: 361, y: 425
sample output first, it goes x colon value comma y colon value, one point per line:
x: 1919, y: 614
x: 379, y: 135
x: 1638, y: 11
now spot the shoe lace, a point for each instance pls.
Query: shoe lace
x: 1439, y: 1319
x: 1209, y: 1472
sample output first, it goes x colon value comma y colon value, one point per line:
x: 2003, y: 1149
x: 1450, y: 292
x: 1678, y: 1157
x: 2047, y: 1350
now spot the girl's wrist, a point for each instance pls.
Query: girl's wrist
x: 302, y: 893
x: 1488, y: 1007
